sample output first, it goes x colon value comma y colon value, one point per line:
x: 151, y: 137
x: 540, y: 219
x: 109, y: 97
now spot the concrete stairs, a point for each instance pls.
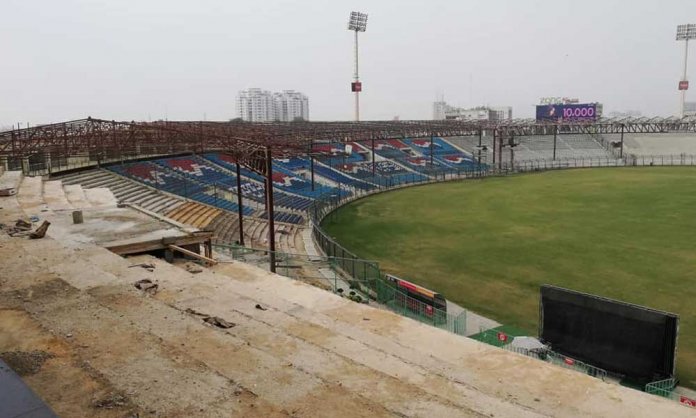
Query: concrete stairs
x: 294, y: 350
x: 125, y: 191
x: 55, y: 197
x: 194, y: 214
x: 76, y: 196
x: 223, y: 223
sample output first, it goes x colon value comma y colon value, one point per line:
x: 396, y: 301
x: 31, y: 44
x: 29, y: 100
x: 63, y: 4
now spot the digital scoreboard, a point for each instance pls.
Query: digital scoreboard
x: 568, y: 112
x: 637, y: 342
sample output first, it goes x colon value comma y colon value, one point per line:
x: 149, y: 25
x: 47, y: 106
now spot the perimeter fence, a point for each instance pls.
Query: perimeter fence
x: 322, y: 271
x: 401, y: 303
x: 504, y: 337
x: 667, y: 388
x: 664, y: 388
x: 328, y: 272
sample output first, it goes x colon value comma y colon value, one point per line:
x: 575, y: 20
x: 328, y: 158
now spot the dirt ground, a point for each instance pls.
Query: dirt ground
x: 234, y: 340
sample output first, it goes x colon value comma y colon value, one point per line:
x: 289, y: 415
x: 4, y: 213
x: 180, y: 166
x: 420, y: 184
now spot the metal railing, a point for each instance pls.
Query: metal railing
x: 492, y: 336
x: 400, y: 302
x: 664, y: 388
x: 322, y: 271
x: 667, y: 388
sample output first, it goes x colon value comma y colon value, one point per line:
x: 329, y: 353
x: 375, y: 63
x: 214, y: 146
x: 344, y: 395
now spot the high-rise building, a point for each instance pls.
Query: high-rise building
x: 440, y: 109
x: 257, y: 105
x: 290, y: 106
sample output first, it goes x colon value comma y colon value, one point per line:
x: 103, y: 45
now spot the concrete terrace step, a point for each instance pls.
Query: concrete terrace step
x: 145, y: 355
x: 218, y: 222
x: 30, y: 195
x: 135, y: 193
x: 89, y: 180
x: 54, y: 195
x: 165, y: 203
x: 117, y: 187
x: 308, y: 244
x: 207, y: 217
x: 261, y: 235
x: 305, y: 353
x: 94, y: 183
x: 228, y: 229
x: 76, y: 196
x: 298, y: 241
x: 147, y: 199
x: 101, y: 197
x: 179, y: 212
x: 125, y: 190
x: 10, y: 180
x: 193, y: 215
x: 121, y: 185
x: 80, y: 176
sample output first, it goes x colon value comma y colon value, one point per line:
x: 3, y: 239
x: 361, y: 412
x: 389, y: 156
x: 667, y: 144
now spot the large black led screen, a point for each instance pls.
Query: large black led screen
x: 632, y: 340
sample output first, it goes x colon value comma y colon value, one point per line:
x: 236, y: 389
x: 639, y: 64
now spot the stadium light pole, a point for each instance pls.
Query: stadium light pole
x: 357, y: 23
x: 684, y: 33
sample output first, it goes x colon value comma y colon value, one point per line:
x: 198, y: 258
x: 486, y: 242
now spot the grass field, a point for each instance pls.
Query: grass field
x: 626, y: 233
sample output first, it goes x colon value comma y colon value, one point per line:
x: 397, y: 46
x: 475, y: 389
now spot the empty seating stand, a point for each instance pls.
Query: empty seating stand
x: 159, y: 177
x: 284, y: 180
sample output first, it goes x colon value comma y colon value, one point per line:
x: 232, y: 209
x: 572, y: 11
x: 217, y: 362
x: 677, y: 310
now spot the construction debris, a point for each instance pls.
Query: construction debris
x: 25, y: 363
x: 218, y: 322
x: 22, y: 228
x: 146, y: 285
x: 22, y: 224
x: 194, y: 312
x: 10, y: 191
x: 111, y: 400
x: 146, y: 266
x: 215, y: 321
x: 40, y: 231
x: 193, y: 269
x: 77, y: 217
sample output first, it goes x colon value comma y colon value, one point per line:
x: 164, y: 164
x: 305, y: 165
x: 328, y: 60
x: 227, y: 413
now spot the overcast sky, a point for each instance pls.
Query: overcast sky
x: 186, y: 60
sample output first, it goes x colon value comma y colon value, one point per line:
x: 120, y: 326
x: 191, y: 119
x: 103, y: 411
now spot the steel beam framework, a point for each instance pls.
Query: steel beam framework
x: 251, y: 143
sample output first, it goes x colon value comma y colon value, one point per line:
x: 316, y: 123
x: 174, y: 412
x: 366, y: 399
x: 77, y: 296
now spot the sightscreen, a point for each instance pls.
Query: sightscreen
x: 619, y: 337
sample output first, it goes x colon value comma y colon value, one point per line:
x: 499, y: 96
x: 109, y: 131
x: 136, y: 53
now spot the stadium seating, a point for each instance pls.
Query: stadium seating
x: 393, y: 149
x: 459, y: 160
x: 200, y: 169
x: 196, y: 169
x: 439, y: 146
x: 536, y: 148
x: 160, y: 177
x: 424, y: 164
x: 294, y: 164
x: 283, y: 179
x: 340, y: 178
x: 339, y: 151
x: 290, y: 218
x: 445, y: 155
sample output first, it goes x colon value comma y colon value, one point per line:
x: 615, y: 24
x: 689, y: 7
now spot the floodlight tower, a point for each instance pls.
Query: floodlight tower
x: 684, y: 33
x: 357, y: 23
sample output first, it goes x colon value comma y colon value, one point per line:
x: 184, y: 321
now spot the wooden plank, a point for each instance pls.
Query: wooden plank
x: 197, y: 237
x: 193, y: 254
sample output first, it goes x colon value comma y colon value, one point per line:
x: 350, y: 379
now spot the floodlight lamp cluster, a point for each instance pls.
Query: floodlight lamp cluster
x: 686, y: 32
x: 357, y: 21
